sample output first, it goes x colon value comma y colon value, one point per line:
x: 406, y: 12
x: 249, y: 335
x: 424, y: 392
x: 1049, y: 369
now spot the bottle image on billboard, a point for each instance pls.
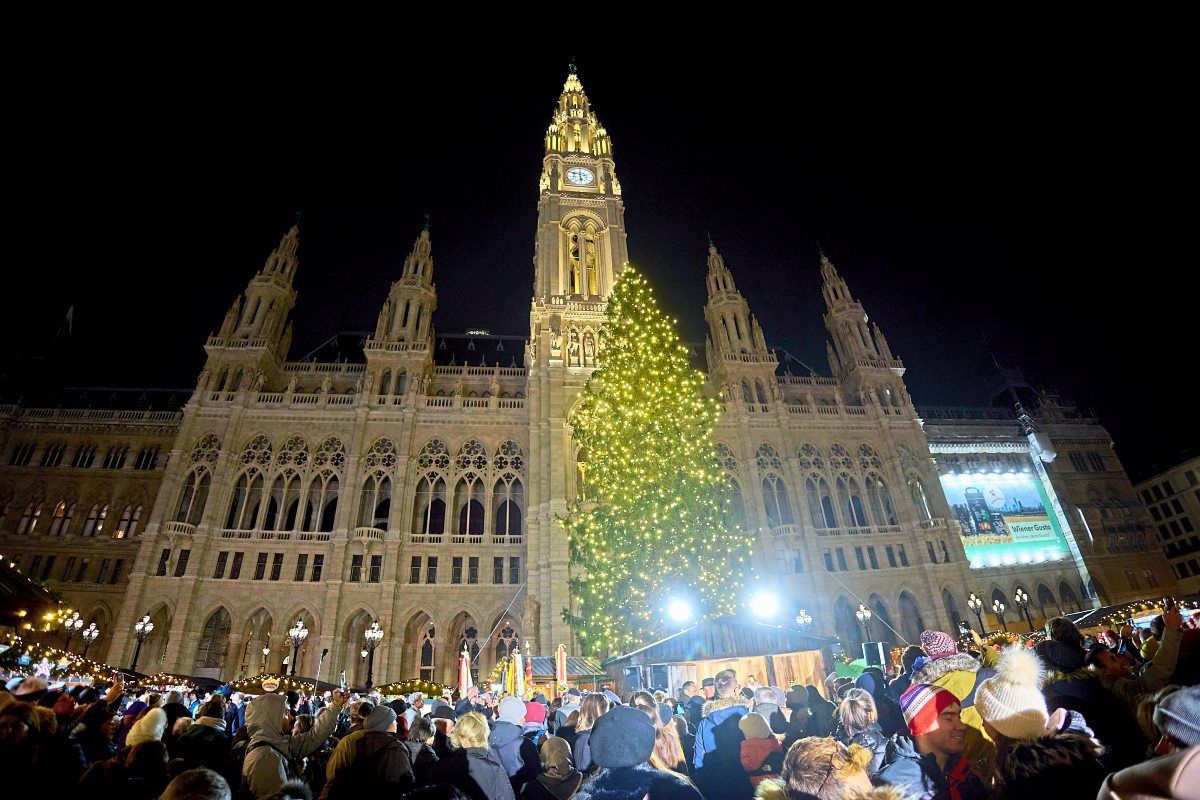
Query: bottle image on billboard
x: 983, y: 519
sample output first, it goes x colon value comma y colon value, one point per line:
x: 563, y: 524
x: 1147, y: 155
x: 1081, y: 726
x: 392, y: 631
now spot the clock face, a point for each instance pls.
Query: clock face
x: 580, y: 176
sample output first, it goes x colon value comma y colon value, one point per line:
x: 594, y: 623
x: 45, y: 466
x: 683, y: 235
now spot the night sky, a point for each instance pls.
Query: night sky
x: 1018, y: 194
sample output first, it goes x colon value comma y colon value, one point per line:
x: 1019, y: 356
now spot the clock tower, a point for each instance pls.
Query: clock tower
x: 578, y: 254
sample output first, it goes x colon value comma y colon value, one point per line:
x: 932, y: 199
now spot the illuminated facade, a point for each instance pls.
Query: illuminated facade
x: 417, y: 478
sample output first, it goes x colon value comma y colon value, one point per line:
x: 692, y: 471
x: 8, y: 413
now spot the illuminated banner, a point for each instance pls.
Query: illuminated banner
x: 1004, y: 519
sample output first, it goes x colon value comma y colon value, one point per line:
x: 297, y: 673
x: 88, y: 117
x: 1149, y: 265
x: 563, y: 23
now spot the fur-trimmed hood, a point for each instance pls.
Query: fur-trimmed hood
x: 1061, y: 758
x: 716, y: 704
x: 773, y: 789
x: 640, y: 781
x: 933, y: 670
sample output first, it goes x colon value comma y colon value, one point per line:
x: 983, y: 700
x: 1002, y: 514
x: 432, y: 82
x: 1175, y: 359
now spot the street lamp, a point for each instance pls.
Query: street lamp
x: 864, y: 616
x: 372, y: 636
x: 90, y: 634
x: 266, y: 651
x: 976, y: 605
x: 142, y: 630
x: 297, y: 635
x: 71, y: 626
x: 998, y: 608
x: 1022, y: 599
x: 804, y: 620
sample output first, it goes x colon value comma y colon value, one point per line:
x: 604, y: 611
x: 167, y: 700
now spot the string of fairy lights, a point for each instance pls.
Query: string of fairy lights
x: 654, y: 511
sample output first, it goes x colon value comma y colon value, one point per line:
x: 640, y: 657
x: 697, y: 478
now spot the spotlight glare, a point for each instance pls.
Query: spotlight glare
x: 679, y: 611
x: 764, y: 604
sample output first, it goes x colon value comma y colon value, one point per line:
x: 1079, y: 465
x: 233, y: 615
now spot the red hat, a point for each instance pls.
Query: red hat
x: 922, y: 703
x: 535, y: 712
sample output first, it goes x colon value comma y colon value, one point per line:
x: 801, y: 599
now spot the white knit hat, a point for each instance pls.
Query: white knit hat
x: 1011, y: 701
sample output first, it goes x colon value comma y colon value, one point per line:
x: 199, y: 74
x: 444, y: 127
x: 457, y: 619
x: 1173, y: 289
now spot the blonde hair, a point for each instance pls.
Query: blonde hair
x: 471, y: 731
x: 819, y: 768
x: 857, y: 711
x: 593, y: 707
x: 668, y: 752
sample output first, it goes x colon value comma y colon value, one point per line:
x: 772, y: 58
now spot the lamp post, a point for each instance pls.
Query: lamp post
x: 372, y: 636
x: 90, y: 634
x: 1022, y: 599
x: 266, y: 651
x: 141, y: 630
x: 864, y: 616
x: 998, y: 608
x: 976, y: 605
x: 804, y: 620
x: 71, y: 626
x: 297, y: 635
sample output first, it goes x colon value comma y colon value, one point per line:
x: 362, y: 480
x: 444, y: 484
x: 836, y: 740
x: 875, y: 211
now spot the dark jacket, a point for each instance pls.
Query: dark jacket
x: 173, y: 711
x: 204, y: 744
x: 717, y: 757
x: 1065, y: 766
x: 423, y: 758
x: 581, y: 749
x: 442, y: 746
x: 694, y: 710
x: 642, y: 781
x: 476, y: 772
x: 235, y: 718
x: 376, y: 764
x: 920, y: 777
x: 537, y: 790
x: 872, y: 739
x: 95, y: 745
x: 1082, y: 692
x: 518, y: 754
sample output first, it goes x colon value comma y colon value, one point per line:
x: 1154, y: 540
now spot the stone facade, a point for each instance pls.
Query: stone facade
x: 417, y: 478
x: 1172, y: 498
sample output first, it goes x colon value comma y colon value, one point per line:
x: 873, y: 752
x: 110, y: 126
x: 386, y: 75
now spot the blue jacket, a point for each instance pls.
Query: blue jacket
x: 919, y: 777
x: 717, y: 758
x: 518, y: 755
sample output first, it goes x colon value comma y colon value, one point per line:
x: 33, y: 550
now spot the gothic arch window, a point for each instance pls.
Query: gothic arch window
x: 850, y: 501
x: 868, y: 459
x: 283, y: 503
x: 1046, y: 601
x: 469, y: 494
x: 401, y: 382
x: 214, y: 640
x: 775, y: 499
x: 60, y: 521
x: 469, y: 641
x: 910, y: 618
x: 1151, y: 581
x: 245, y: 503
x: 767, y: 459
x: 820, y: 502
x: 509, y: 499
x: 29, y: 518
x: 809, y: 457
x: 590, y: 262
x: 881, y: 501
x: 376, y: 501
x: 385, y: 383
x: 726, y: 458
x: 735, y: 517
x: 920, y: 499
x: 951, y: 606
x: 94, y: 524
x: 320, y: 509
x: 506, y: 641
x: 429, y: 506
x: 127, y: 526
x: 193, y: 497
x: 427, y: 653
x: 574, y: 259
x: 760, y: 393
x: 1070, y: 600
x: 839, y: 458
x: 747, y: 394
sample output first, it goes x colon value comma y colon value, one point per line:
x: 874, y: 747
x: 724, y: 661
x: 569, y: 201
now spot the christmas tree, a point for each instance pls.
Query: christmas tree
x: 652, y: 522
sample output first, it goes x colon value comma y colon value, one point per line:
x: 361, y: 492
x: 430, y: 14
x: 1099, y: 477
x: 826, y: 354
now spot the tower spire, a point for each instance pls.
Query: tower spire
x: 855, y: 341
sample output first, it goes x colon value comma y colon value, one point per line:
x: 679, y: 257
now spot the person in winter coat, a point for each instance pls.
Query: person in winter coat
x: 270, y: 752
x: 668, y: 752
x: 150, y: 727
x: 534, y: 728
x: 821, y: 713
x: 1115, y: 669
x: 419, y: 742
x: 95, y: 731
x: 518, y: 754
x: 887, y: 709
x: 128, y: 717
x: 235, y: 713
x: 570, y: 703
x: 961, y: 673
x: 819, y: 768
x: 1068, y: 685
x: 762, y: 755
x: 206, y: 743
x: 857, y: 725
x: 901, y: 682
x: 694, y: 708
x: 138, y: 772
x: 930, y: 764
x: 476, y: 769
x: 591, y: 709
x: 1033, y: 758
x: 175, y: 709
x: 558, y: 780
x: 717, y: 759
x: 370, y: 762
x: 621, y: 742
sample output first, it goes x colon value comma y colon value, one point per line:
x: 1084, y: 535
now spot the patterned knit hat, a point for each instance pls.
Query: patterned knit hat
x: 937, y: 644
x: 1178, y: 716
x: 922, y: 703
x: 1011, y: 701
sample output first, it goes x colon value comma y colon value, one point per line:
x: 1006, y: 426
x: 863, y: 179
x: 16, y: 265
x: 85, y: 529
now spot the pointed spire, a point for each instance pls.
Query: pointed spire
x: 283, y: 260
x: 426, y: 220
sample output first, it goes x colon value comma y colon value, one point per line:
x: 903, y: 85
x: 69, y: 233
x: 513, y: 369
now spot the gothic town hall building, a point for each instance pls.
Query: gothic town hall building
x: 416, y: 477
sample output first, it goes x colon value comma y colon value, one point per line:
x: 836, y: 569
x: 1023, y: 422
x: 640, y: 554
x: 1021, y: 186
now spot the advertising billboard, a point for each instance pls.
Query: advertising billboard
x: 1004, y: 518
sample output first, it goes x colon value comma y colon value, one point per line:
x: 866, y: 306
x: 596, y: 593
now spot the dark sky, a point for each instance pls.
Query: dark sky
x: 1026, y: 192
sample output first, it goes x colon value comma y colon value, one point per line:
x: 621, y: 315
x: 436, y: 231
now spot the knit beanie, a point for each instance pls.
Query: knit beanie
x: 624, y: 737
x: 535, y: 712
x: 173, y: 696
x: 937, y: 644
x: 755, y: 726
x: 1011, y: 701
x: 921, y: 705
x: 1178, y: 716
x: 512, y: 709
x: 149, y: 728
x: 380, y: 719
x: 1056, y: 655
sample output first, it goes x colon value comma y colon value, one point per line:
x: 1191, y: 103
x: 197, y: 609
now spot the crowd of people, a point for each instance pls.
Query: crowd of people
x: 1067, y: 718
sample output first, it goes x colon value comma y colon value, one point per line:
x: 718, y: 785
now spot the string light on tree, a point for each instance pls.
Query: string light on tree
x: 657, y: 510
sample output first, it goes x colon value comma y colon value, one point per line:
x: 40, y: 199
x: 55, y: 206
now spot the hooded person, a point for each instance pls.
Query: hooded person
x: 717, y: 758
x: 961, y: 674
x: 518, y: 754
x: 1068, y: 685
x: 269, y: 756
x: 622, y: 741
x: 558, y: 780
x: 149, y: 728
x: 1033, y: 757
x: 930, y: 764
x: 534, y: 728
x: 821, y: 711
x: 370, y: 762
x: 762, y: 755
x: 474, y: 769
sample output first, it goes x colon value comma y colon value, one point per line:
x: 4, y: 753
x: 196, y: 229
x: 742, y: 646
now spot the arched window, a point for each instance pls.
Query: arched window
x: 509, y: 498
x: 127, y: 526
x: 735, y: 518
x: 401, y: 383
x: 469, y: 495
x: 246, y: 502
x: 60, y: 523
x: 320, y: 509
x: 94, y: 524
x: 881, y: 501
x: 214, y: 641
x: 920, y: 500
x: 29, y: 518
x: 283, y: 504
x: 427, y: 664
x: 760, y: 392
x: 775, y: 499
x: 820, y: 502
x: 506, y: 641
x: 1068, y: 598
x: 1151, y: 581
x: 911, y: 621
x: 1046, y: 602
x: 850, y: 500
x: 747, y: 395
x: 951, y: 605
x: 193, y: 497
x: 429, y: 507
x: 376, y: 505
